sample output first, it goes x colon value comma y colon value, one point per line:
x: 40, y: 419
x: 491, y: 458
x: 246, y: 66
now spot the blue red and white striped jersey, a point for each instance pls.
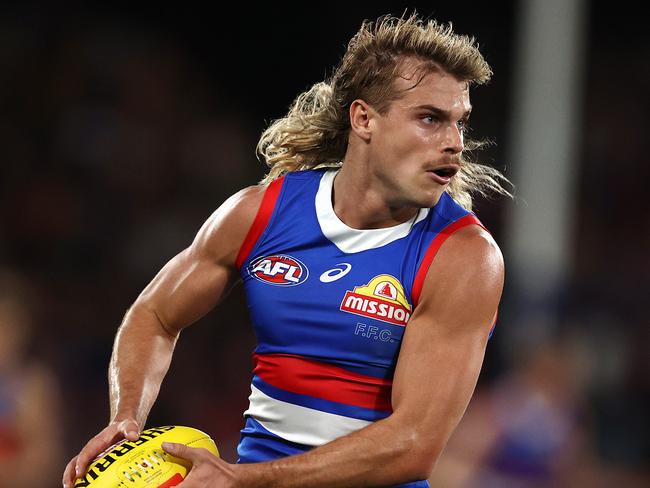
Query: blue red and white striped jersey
x: 329, y: 306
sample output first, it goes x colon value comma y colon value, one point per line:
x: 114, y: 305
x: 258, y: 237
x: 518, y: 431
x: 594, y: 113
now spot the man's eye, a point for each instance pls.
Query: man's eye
x: 430, y: 118
x: 462, y: 125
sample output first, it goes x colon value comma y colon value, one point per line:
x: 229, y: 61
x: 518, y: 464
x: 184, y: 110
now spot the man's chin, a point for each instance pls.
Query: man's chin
x: 429, y: 199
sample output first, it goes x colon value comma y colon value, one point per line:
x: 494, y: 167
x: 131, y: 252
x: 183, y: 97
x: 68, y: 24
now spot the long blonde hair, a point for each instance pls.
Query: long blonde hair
x: 314, y: 133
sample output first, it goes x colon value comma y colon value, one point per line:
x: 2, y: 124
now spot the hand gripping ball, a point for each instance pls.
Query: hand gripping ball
x: 143, y: 463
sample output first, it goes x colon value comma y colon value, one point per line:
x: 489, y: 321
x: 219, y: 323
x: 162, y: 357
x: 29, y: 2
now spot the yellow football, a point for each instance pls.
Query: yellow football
x: 143, y: 463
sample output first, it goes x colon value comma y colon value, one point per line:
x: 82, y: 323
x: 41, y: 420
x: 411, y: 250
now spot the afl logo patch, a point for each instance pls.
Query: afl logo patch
x: 278, y: 269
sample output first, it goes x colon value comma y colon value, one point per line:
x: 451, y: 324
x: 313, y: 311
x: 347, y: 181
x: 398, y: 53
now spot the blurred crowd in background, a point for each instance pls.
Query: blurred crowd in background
x: 121, y: 132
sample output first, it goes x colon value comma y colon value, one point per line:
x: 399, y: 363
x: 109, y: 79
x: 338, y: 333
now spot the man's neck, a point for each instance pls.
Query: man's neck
x: 361, y: 203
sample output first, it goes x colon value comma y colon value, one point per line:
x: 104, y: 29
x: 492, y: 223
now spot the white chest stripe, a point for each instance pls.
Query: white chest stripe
x: 299, y: 424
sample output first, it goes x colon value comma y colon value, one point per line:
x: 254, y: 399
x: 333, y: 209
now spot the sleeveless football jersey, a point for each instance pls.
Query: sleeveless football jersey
x: 329, y: 306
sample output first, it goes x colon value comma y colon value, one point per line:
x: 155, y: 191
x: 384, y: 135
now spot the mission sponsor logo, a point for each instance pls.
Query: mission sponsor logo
x: 381, y: 299
x: 280, y: 269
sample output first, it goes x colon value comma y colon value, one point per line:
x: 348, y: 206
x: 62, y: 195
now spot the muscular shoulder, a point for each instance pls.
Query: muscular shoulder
x: 222, y: 234
x: 466, y: 274
x: 471, y: 249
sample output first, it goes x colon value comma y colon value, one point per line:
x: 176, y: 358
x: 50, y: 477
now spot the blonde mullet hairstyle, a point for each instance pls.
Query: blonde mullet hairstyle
x: 314, y: 133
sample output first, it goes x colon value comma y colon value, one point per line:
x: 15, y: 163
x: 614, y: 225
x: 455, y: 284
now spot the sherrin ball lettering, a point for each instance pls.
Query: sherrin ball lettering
x: 143, y: 463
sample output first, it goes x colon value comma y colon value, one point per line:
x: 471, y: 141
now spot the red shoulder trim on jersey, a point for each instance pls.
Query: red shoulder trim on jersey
x: 442, y: 236
x: 261, y: 220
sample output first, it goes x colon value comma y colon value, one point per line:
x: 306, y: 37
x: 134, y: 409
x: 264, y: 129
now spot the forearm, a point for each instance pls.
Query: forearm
x: 382, y: 454
x: 141, y: 357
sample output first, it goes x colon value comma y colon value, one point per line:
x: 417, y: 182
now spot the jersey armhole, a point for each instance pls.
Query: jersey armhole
x: 434, y: 246
x: 262, y: 218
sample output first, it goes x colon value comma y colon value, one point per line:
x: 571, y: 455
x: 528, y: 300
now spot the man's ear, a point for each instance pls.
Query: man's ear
x: 360, y: 116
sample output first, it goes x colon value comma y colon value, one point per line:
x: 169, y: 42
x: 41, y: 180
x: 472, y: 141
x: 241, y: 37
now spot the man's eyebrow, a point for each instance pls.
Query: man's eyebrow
x: 446, y: 114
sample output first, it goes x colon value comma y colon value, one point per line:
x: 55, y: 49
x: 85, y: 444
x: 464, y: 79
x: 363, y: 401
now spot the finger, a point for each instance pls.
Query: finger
x: 87, y: 454
x: 93, y: 447
x: 68, y: 473
x: 182, y: 451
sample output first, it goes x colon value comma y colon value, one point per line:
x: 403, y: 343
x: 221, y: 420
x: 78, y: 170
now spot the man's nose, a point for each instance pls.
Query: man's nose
x: 454, y: 139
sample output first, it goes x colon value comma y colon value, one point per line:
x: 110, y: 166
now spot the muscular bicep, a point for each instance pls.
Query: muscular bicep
x: 193, y: 282
x: 444, y: 342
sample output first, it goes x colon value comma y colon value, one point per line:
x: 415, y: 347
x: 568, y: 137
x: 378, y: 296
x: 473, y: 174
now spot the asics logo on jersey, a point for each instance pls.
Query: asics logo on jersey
x: 335, y: 273
x: 278, y: 269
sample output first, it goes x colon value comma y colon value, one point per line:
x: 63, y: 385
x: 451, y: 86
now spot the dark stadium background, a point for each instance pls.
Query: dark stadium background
x: 122, y: 128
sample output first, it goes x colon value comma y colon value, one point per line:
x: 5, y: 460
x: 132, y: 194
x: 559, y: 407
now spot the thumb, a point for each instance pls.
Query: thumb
x: 179, y: 450
x: 130, y: 429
